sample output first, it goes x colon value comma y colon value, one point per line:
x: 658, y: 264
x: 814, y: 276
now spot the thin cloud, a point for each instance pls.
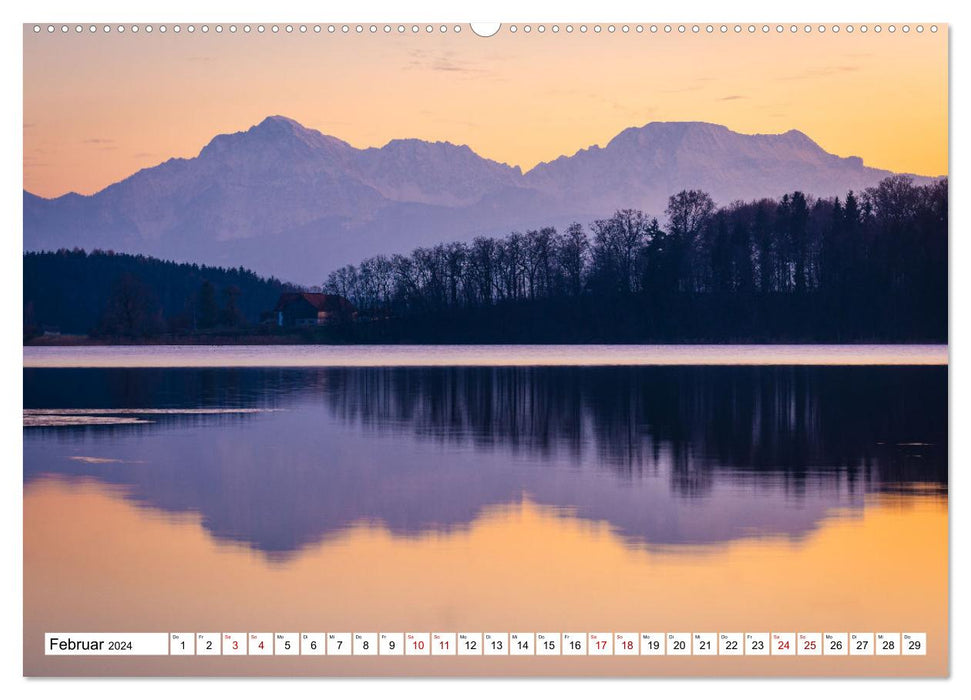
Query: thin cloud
x: 35, y: 158
x: 674, y: 91
x: 632, y: 112
x: 444, y: 61
x: 822, y: 72
x: 431, y: 115
x: 693, y: 85
x: 733, y: 97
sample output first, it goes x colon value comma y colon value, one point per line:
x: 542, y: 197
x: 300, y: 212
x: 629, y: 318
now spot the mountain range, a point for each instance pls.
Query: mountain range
x: 292, y: 202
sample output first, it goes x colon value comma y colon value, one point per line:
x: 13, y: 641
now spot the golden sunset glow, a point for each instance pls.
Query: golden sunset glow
x: 518, y: 566
x: 99, y: 107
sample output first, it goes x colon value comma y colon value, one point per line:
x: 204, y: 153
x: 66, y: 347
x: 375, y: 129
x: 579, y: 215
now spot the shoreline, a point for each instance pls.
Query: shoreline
x: 262, y: 356
x: 80, y: 341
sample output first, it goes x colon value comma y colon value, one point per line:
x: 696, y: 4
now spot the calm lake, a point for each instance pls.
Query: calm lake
x: 309, y: 489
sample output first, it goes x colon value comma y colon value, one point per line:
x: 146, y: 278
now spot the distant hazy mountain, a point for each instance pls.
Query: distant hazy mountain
x: 293, y: 202
x: 648, y: 164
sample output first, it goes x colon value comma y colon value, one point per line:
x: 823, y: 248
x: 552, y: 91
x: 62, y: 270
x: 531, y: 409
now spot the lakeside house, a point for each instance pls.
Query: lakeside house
x: 311, y: 309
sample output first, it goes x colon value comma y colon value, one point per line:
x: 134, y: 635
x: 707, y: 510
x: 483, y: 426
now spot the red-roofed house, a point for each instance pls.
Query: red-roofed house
x: 312, y: 309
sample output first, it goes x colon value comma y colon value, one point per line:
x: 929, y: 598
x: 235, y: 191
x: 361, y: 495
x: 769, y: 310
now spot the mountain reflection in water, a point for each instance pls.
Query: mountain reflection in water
x: 666, y: 456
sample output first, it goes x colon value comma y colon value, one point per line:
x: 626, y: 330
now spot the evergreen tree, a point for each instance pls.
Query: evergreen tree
x: 207, y: 310
x: 132, y: 311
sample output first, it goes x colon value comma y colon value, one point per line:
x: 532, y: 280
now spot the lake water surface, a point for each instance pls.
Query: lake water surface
x: 492, y: 489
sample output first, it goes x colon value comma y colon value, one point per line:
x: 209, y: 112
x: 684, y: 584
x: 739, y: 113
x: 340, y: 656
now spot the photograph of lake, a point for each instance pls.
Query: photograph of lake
x: 477, y: 351
x: 616, y: 497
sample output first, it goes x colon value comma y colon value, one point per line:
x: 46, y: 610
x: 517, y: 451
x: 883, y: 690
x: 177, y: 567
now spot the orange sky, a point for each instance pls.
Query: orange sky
x: 99, y: 107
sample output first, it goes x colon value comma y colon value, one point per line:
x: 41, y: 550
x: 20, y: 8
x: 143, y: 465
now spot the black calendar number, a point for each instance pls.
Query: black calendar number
x: 575, y: 645
x: 471, y: 645
x: 861, y: 644
x: 523, y: 644
x: 497, y: 644
x: 836, y: 645
x: 913, y: 645
x: 549, y: 645
x: 679, y: 645
x: 704, y: 645
x: 888, y: 645
x: 731, y: 645
x: 758, y: 645
x: 391, y: 644
x: 313, y: 645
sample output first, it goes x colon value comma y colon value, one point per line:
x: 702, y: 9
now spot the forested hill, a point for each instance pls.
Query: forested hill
x: 869, y: 266
x: 118, y: 294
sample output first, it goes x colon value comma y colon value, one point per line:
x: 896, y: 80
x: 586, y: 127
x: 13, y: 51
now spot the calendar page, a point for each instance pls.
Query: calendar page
x: 490, y: 350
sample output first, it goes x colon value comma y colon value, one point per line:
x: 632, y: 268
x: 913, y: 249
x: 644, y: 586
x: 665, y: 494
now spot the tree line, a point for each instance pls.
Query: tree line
x: 868, y: 266
x: 116, y: 295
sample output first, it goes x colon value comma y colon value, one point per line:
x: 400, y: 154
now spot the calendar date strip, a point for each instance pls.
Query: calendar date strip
x: 486, y: 644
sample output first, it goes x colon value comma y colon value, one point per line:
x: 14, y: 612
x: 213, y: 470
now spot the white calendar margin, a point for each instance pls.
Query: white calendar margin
x: 11, y: 651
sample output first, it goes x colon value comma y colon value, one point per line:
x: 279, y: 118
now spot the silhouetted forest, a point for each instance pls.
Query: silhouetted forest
x: 133, y: 296
x: 868, y: 266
